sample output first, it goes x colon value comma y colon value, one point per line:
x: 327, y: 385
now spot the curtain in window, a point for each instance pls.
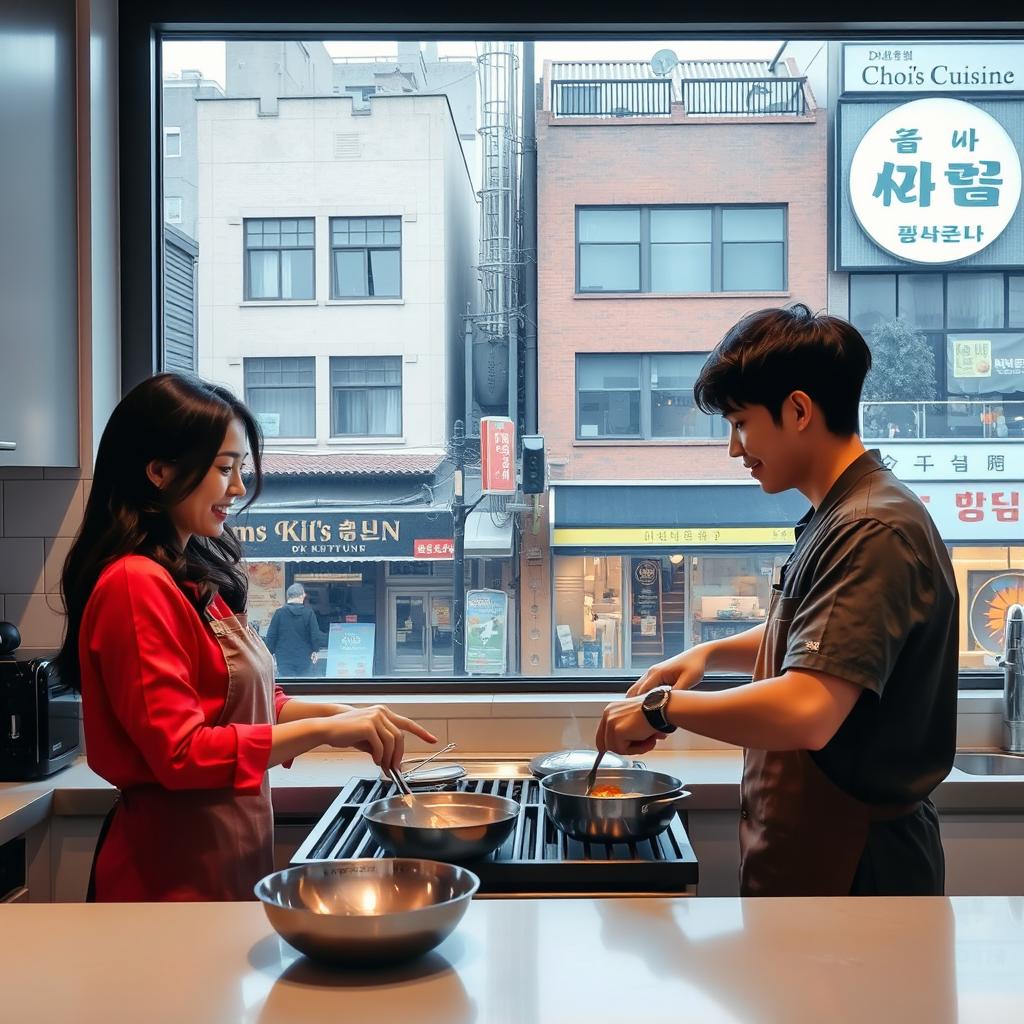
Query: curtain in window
x: 263, y: 275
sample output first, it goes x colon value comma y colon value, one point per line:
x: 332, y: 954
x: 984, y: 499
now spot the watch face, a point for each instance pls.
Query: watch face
x: 656, y: 699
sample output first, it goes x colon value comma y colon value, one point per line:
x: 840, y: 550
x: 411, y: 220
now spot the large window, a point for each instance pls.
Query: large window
x: 279, y: 256
x: 681, y: 249
x: 641, y: 396
x: 281, y: 392
x: 366, y: 396
x: 366, y: 257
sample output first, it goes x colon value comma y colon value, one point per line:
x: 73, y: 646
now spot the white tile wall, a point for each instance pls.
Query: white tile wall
x: 39, y: 515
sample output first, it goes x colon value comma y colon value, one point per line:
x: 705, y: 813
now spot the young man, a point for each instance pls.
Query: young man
x: 850, y: 718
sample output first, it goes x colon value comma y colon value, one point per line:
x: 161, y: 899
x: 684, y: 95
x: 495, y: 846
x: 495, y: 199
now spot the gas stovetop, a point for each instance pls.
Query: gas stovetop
x: 537, y: 858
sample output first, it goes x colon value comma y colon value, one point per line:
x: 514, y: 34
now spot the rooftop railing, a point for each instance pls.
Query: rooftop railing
x: 702, y: 97
x: 612, y: 98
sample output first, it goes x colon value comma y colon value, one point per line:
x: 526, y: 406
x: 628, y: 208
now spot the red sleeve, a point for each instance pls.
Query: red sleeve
x: 280, y: 699
x: 144, y: 642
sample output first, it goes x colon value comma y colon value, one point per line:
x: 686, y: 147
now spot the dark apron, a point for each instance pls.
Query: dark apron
x: 197, y: 844
x: 800, y: 834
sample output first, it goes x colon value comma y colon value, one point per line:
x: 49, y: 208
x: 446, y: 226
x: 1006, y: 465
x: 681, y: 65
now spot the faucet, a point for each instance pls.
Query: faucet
x: 1013, y: 680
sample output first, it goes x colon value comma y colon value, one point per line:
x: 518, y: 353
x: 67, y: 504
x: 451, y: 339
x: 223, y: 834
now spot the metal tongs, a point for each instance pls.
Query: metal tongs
x: 417, y: 768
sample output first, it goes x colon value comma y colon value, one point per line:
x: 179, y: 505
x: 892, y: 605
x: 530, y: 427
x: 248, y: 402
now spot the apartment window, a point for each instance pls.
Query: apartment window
x: 281, y: 392
x: 641, y: 396
x: 172, y: 209
x: 681, y: 249
x: 366, y: 396
x: 279, y: 258
x: 366, y: 257
x: 172, y: 142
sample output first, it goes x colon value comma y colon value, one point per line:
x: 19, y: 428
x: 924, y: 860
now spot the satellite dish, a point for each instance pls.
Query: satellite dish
x: 663, y: 62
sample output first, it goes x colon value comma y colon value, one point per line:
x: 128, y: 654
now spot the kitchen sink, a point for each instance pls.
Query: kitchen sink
x: 989, y: 763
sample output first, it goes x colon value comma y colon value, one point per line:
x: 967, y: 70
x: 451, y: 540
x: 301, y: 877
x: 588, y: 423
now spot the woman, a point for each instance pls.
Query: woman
x: 180, y: 709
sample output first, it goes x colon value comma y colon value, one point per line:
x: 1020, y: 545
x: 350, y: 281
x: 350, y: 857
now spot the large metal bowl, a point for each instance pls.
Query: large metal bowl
x: 456, y: 827
x: 613, y: 819
x: 363, y: 912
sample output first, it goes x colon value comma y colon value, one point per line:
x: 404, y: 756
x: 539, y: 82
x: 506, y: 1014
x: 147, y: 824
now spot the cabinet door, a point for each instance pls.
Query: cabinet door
x: 38, y: 255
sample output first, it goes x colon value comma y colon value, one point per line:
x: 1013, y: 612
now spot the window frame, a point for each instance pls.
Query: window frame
x: 335, y: 436
x: 142, y: 26
x: 646, y: 401
x: 716, y: 243
x: 246, y: 387
x: 279, y: 249
x: 366, y: 249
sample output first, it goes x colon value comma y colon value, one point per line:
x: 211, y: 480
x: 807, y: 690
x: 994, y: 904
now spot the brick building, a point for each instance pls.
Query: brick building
x: 668, y: 207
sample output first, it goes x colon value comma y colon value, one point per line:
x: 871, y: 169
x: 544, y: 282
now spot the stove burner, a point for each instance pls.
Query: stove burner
x: 536, y: 858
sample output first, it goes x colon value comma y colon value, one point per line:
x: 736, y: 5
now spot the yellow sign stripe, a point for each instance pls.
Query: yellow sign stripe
x: 661, y: 536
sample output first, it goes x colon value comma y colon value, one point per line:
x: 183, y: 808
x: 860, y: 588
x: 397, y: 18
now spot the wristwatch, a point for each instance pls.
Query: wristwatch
x: 654, y: 703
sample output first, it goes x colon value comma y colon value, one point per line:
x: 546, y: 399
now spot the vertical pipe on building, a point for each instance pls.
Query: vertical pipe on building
x: 529, y: 215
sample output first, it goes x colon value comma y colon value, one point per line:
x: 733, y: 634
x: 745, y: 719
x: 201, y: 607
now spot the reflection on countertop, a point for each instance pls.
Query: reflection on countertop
x: 801, y: 961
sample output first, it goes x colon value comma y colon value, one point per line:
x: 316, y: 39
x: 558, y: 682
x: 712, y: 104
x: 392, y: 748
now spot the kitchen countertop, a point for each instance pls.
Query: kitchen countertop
x: 585, y: 961
x: 711, y: 776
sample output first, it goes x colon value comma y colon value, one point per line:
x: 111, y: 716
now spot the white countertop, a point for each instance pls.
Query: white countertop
x: 308, y: 787
x: 782, y: 961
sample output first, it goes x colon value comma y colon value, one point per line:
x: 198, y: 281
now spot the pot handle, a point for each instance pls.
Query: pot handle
x: 666, y: 801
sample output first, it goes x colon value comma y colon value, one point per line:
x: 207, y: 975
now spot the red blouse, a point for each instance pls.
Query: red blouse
x: 154, y: 681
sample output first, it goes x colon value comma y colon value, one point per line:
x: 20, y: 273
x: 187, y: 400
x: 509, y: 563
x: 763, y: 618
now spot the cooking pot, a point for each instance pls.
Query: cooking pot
x: 454, y: 827
x: 613, y: 819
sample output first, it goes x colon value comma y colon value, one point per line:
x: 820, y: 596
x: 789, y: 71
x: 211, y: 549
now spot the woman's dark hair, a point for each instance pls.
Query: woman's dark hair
x: 177, y: 419
x: 772, y: 353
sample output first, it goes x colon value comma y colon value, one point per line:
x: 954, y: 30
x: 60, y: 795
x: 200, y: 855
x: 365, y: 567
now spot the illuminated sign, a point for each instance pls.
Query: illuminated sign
x: 497, y: 455
x: 935, y: 181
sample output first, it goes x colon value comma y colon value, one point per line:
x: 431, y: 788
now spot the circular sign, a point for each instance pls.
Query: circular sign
x: 989, y: 607
x: 935, y: 181
x: 646, y: 573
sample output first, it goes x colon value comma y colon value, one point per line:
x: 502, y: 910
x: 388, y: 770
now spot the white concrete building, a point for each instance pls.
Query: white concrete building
x: 337, y: 263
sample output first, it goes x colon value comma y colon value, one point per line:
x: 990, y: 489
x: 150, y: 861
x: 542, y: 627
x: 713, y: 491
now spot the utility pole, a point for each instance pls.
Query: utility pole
x: 458, y: 565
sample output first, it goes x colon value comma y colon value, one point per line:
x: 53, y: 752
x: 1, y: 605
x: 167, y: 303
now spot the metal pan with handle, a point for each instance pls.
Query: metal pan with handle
x: 646, y: 808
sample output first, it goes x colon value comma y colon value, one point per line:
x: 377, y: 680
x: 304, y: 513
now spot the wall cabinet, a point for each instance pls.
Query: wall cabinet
x: 38, y: 244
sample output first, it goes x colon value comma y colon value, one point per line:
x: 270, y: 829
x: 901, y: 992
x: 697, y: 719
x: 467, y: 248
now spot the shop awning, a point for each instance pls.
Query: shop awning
x: 668, y: 516
x: 485, y: 538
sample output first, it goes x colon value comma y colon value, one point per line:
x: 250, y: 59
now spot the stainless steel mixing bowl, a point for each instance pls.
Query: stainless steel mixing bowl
x: 446, y: 826
x: 362, y: 912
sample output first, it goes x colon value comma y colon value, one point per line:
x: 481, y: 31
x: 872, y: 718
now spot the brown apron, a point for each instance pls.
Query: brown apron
x: 800, y: 834
x: 196, y: 844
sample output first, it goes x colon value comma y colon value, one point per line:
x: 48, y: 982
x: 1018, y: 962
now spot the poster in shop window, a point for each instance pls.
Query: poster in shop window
x: 266, y: 592
x: 486, y: 630
x: 350, y: 650
x: 991, y: 594
x: 646, y: 616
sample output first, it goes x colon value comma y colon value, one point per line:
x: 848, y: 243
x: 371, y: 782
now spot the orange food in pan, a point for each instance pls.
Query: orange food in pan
x: 608, y: 792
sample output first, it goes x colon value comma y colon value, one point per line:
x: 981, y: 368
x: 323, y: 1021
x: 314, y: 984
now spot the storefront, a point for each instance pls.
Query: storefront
x: 379, y: 581
x: 641, y: 572
x: 973, y: 492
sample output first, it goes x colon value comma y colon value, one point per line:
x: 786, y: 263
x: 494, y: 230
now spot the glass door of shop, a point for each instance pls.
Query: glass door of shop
x: 420, y: 634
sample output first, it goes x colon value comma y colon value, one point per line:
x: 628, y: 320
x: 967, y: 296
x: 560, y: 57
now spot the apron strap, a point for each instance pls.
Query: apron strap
x: 90, y: 893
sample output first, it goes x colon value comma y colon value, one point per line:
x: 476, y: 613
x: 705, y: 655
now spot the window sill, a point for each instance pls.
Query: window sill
x: 278, y: 302
x: 276, y: 443
x: 343, y: 442
x: 681, y: 295
x: 637, y: 442
x: 370, y: 301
